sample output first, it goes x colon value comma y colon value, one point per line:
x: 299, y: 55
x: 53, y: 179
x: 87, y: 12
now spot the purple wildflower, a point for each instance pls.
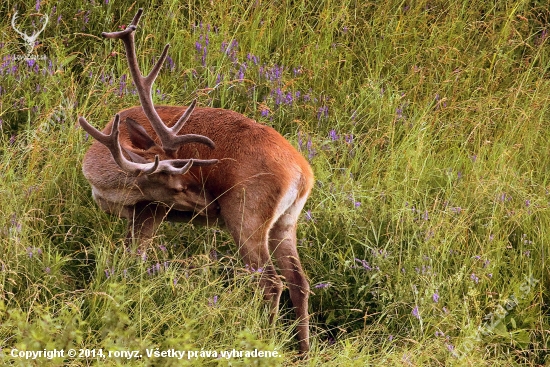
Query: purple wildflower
x: 435, y: 297
x: 505, y: 197
x: 274, y: 73
x: 122, y: 86
x: 364, y: 263
x: 415, y: 312
x: 333, y: 135
x: 278, y: 93
x: 213, y: 302
x: 311, y: 151
x: 456, y: 210
x: 474, y: 278
x: 399, y: 112
x: 322, y: 285
x: 214, y: 254
x: 543, y: 36
x: 289, y: 98
x: 300, y: 141
x: 322, y: 112
x: 170, y: 61
x: 240, y: 73
x: 309, y: 216
x: 253, y: 58
x: 251, y: 269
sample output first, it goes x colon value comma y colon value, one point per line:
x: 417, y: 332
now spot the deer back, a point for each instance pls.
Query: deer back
x: 252, y: 156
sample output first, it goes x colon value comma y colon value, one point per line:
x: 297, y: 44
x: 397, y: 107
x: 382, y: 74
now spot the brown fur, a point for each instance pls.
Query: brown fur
x: 257, y: 191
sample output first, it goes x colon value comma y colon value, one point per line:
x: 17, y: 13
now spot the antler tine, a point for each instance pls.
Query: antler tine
x: 168, y: 168
x: 169, y: 139
x: 178, y: 140
x: 196, y: 162
x: 183, y: 119
x: 112, y: 143
x: 129, y: 29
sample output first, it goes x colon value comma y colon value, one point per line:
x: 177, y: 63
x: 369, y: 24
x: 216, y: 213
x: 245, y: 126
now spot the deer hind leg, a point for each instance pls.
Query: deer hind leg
x: 282, y: 243
x: 250, y: 234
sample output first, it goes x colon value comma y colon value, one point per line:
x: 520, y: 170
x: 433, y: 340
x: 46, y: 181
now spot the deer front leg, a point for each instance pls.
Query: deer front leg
x: 143, y: 221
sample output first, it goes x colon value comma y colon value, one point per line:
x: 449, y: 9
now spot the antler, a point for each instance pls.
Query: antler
x: 171, y: 166
x: 168, y: 136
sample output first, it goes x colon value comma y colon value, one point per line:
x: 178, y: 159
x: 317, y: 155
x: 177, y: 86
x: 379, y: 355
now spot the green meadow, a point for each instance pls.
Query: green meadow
x: 426, y: 235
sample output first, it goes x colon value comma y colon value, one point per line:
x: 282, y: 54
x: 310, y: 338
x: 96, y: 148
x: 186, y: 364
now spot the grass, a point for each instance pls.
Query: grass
x: 425, y: 238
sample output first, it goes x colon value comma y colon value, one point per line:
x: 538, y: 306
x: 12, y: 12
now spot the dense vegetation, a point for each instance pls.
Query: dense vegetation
x: 426, y: 236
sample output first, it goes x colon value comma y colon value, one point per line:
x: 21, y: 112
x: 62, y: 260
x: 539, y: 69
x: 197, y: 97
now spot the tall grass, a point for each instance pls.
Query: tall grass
x: 426, y: 235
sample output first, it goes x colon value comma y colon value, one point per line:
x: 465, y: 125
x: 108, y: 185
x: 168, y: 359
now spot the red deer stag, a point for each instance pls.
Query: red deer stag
x: 145, y: 167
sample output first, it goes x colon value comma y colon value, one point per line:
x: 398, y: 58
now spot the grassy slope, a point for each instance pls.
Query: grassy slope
x: 426, y: 128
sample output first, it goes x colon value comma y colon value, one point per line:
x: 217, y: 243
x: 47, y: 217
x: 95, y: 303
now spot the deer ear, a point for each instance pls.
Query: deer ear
x: 138, y: 136
x: 134, y: 157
